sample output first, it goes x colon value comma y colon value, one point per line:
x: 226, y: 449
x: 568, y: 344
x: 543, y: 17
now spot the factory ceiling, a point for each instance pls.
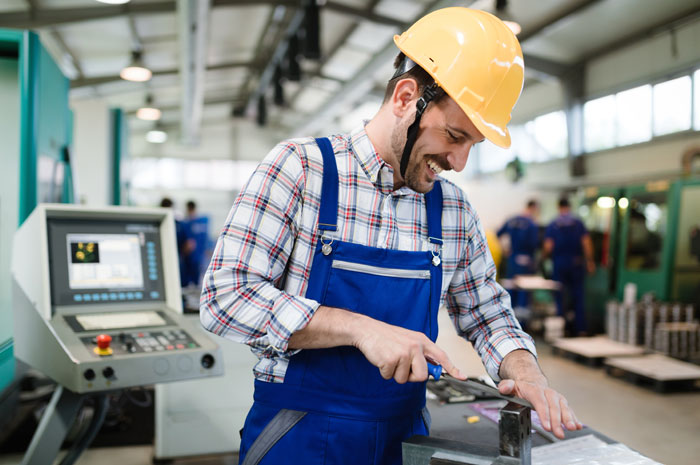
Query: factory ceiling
x: 217, y: 59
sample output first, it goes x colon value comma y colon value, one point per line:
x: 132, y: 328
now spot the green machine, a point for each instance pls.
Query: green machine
x: 36, y: 127
x: 659, y: 242
x: 602, y: 217
x: 119, y: 142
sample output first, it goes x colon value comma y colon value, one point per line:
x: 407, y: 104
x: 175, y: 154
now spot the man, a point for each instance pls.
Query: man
x: 338, y: 253
x: 522, y: 232
x: 194, y: 247
x: 571, y: 248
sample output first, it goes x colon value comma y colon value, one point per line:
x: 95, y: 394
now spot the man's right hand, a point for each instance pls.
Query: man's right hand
x: 397, y: 352
x: 400, y: 353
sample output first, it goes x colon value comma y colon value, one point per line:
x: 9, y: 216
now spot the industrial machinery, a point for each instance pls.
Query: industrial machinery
x: 97, y: 307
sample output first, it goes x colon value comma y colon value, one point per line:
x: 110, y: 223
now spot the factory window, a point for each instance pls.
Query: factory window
x: 633, y: 115
x: 672, y: 106
x: 492, y: 158
x: 549, y: 131
x: 696, y: 93
x: 174, y: 173
x: 599, y: 123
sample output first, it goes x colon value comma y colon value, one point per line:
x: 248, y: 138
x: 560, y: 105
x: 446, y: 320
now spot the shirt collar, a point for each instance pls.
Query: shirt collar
x: 379, y: 172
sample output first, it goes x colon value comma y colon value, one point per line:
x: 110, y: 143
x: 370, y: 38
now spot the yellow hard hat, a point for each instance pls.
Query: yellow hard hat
x: 475, y: 59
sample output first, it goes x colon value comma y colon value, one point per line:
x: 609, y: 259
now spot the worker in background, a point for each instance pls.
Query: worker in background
x: 194, y: 248
x: 339, y: 251
x: 523, y: 235
x: 568, y: 243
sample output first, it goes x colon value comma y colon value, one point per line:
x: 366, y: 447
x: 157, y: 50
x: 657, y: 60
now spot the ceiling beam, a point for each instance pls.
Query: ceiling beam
x: 95, y: 81
x: 36, y: 18
x: 690, y: 15
x: 553, y: 20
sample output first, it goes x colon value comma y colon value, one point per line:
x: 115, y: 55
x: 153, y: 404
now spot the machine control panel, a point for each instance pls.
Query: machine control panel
x: 125, y: 343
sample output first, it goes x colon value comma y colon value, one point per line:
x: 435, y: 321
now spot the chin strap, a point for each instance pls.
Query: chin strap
x: 429, y: 94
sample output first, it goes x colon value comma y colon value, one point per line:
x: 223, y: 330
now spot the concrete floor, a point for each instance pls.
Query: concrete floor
x: 662, y: 427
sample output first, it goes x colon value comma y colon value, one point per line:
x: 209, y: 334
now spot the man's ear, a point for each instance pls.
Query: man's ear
x: 404, y: 98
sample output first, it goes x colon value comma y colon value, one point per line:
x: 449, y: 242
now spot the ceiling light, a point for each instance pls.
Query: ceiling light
x: 503, y: 13
x: 156, y: 136
x: 148, y: 112
x: 605, y: 202
x: 114, y: 2
x: 513, y: 26
x: 136, y: 71
x: 623, y: 202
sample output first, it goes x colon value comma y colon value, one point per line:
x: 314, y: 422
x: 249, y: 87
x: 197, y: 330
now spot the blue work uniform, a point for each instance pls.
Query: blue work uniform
x: 567, y: 233
x: 523, y: 233
x: 195, y: 229
x: 334, y: 407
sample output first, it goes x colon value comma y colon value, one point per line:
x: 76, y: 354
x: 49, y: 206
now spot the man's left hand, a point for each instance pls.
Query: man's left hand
x: 530, y: 384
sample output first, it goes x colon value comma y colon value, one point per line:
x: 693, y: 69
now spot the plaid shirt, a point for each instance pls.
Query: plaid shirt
x: 254, y: 286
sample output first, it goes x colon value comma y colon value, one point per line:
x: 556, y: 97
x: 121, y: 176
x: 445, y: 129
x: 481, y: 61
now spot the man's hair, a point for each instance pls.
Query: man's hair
x: 564, y: 203
x: 418, y: 74
x: 166, y: 202
x: 191, y: 205
x: 532, y: 203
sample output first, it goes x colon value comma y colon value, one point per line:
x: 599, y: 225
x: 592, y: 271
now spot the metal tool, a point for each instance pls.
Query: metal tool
x: 474, y: 386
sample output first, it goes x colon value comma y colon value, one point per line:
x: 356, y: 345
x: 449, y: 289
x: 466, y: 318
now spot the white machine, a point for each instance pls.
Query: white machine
x: 98, y: 307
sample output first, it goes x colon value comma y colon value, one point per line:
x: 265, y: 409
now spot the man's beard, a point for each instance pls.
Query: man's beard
x: 412, y: 178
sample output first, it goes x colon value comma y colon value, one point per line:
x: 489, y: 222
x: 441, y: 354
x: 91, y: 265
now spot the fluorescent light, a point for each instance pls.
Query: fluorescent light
x: 156, y: 136
x: 513, y: 26
x: 136, y: 71
x: 114, y: 2
x: 148, y: 114
x: 605, y: 202
x: 623, y: 202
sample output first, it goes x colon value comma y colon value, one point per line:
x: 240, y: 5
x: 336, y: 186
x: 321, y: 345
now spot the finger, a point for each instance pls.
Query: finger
x: 539, y: 403
x: 567, y: 415
x: 506, y: 387
x: 419, y: 369
x: 387, y: 371
x: 403, y: 370
x: 436, y: 355
x: 554, y: 412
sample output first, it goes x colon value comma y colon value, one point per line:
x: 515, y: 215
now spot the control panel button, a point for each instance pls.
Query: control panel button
x: 89, y: 374
x: 207, y: 361
x: 108, y: 372
x: 103, y: 345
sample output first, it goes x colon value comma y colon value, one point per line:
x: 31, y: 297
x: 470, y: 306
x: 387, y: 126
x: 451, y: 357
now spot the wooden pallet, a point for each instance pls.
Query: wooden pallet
x: 658, y: 372
x: 592, y: 351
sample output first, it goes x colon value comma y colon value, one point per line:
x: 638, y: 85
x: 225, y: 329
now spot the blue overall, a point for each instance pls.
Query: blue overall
x: 523, y: 233
x: 352, y: 415
x: 569, y: 269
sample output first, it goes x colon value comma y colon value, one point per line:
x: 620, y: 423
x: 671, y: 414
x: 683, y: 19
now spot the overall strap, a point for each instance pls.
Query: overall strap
x: 433, y: 205
x: 328, y: 214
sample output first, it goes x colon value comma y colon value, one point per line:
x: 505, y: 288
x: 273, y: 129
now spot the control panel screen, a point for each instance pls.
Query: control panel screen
x: 126, y: 320
x: 105, y: 262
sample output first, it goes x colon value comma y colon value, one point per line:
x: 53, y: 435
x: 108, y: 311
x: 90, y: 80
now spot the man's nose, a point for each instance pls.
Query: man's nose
x: 458, y: 158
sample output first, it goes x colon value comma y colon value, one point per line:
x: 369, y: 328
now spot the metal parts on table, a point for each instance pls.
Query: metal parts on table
x: 514, y: 444
x: 514, y: 426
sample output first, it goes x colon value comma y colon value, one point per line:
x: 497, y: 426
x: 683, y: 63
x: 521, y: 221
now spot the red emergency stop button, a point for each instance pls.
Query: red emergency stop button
x: 103, y: 342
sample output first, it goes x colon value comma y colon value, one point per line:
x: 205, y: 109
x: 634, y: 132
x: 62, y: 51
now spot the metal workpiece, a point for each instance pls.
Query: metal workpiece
x: 424, y: 450
x: 515, y: 444
x: 514, y: 433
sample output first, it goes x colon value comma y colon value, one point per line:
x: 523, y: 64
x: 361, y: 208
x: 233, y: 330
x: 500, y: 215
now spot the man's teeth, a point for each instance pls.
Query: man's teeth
x: 434, y: 166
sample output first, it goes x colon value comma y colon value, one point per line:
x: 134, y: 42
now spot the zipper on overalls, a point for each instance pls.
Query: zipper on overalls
x: 380, y: 271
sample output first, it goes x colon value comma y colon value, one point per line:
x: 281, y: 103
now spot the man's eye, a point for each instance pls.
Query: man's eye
x: 452, y: 136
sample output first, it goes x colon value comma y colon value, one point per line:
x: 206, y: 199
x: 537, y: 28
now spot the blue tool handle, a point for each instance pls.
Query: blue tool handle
x: 435, y: 370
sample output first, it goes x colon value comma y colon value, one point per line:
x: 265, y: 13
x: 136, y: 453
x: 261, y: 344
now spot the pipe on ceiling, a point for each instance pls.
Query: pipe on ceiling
x: 193, y: 25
